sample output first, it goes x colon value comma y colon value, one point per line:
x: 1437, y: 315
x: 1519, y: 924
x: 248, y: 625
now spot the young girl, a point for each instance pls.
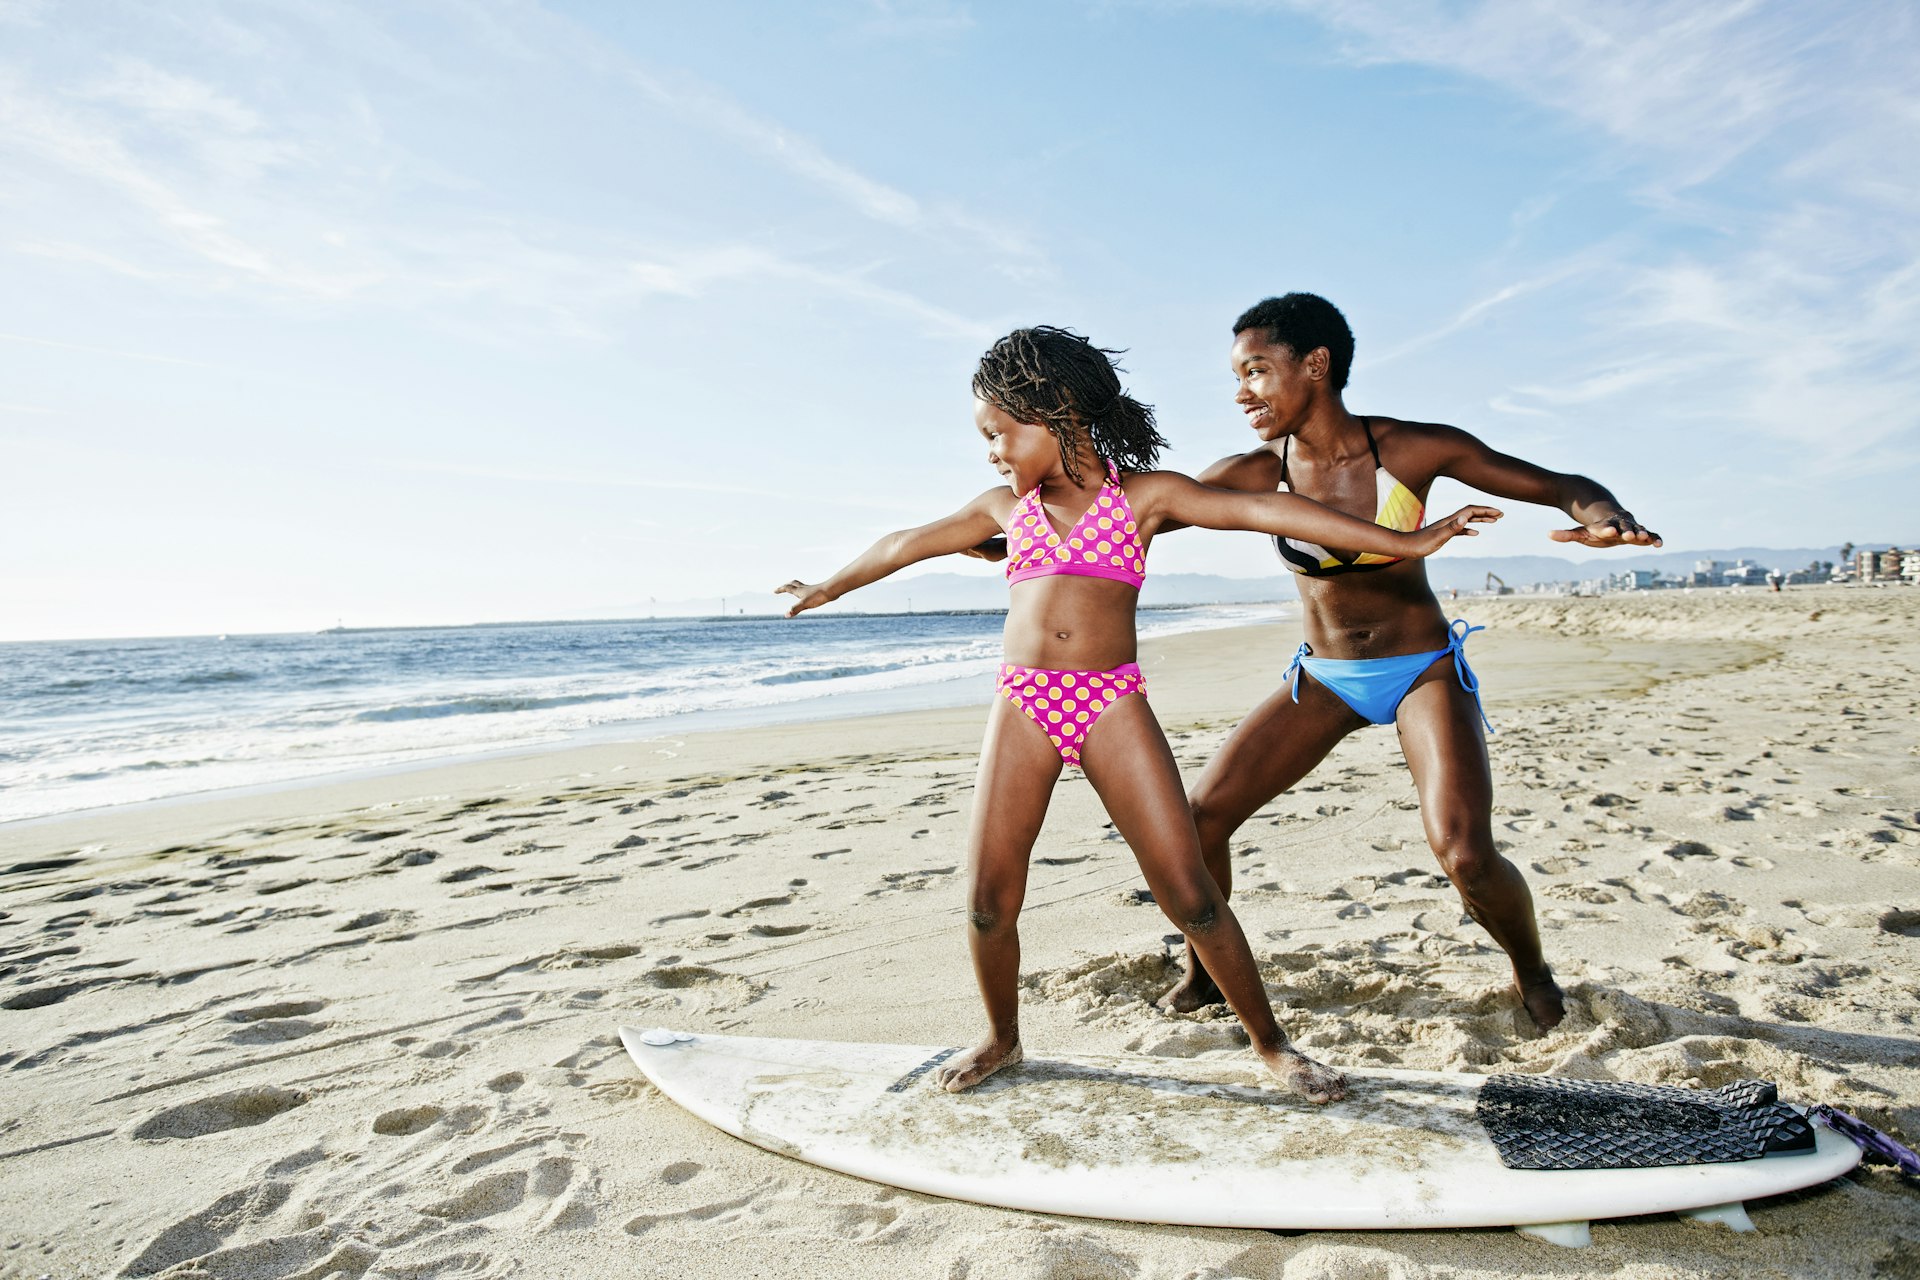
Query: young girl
x: 1079, y: 507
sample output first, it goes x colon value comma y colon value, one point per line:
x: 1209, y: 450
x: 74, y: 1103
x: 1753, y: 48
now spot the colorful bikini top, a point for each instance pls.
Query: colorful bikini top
x: 1399, y: 510
x: 1103, y: 543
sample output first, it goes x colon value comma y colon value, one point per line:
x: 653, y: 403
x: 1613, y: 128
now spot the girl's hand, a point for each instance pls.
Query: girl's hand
x: 810, y: 595
x: 1618, y: 530
x: 1441, y: 532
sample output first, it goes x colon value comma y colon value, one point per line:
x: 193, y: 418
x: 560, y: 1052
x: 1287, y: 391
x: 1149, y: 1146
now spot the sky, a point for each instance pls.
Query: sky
x: 316, y: 312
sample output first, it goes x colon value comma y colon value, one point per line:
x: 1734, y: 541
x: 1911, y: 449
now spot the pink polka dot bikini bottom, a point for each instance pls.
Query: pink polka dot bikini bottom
x: 1066, y: 703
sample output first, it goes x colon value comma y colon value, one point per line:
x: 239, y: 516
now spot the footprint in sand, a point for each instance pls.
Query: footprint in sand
x: 1901, y: 923
x: 717, y: 1211
x: 240, y: 1109
x: 758, y: 904
x: 208, y: 1230
x: 407, y: 858
x: 909, y: 881
x: 368, y: 919
x: 1558, y: 865
x: 404, y: 1121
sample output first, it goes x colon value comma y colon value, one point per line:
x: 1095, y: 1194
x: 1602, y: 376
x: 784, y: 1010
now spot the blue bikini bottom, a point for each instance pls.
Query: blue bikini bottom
x: 1373, y: 687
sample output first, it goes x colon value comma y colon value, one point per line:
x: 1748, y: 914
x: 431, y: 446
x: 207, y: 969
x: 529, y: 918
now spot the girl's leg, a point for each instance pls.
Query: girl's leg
x: 1278, y: 744
x: 1440, y: 732
x: 1127, y: 759
x: 1018, y: 767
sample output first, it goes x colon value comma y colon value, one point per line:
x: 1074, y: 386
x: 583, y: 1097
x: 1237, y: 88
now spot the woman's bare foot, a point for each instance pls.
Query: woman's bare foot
x: 1542, y: 998
x: 1195, y: 991
x: 1314, y: 1081
x: 975, y: 1065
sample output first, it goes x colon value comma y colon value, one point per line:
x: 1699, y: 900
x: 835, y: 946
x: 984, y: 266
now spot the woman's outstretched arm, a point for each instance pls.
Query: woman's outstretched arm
x: 1601, y: 520
x: 967, y: 527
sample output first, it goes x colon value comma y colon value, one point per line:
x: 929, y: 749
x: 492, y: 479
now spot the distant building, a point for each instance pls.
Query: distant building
x: 1881, y: 566
x: 1633, y: 580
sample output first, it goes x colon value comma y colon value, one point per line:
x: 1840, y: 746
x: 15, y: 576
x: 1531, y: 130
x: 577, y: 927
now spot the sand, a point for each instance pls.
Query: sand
x: 368, y: 1027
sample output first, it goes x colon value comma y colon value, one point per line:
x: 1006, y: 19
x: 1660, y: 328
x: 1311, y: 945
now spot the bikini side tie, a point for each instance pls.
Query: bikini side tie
x: 1457, y: 633
x: 1292, y: 673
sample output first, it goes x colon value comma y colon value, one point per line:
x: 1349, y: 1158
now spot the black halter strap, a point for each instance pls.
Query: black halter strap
x: 1366, y: 425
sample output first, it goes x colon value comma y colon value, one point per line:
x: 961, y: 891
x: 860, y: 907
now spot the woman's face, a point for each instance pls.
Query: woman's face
x: 1021, y: 451
x: 1275, y: 386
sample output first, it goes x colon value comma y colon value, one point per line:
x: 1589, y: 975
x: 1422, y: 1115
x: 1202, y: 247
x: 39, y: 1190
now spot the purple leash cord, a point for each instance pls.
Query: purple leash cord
x: 1869, y: 1139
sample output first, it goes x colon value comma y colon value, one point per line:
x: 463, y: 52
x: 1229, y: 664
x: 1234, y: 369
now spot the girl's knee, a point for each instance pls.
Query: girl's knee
x: 1468, y: 862
x: 992, y: 913
x: 1194, y: 909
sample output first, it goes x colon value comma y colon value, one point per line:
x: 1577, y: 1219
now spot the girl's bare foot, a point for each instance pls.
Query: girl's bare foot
x: 1314, y: 1081
x: 975, y: 1065
x: 1542, y: 999
x: 1193, y: 992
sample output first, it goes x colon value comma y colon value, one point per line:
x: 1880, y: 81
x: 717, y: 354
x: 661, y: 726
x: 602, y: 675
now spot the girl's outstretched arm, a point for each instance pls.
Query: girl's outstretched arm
x: 1172, y: 496
x: 967, y: 527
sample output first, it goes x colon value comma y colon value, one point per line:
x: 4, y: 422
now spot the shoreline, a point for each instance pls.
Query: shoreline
x: 1193, y: 683
x: 277, y: 761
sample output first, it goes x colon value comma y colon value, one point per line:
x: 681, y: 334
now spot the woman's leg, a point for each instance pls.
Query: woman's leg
x: 1439, y: 725
x: 1018, y: 767
x: 1278, y: 744
x: 1130, y: 765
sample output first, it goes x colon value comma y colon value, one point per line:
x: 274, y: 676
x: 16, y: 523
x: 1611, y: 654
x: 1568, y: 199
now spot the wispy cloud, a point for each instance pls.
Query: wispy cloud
x: 117, y: 353
x: 1478, y: 310
x: 1781, y: 135
x: 195, y: 186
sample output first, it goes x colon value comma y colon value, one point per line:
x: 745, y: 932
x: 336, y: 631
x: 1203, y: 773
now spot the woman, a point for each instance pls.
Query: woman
x: 1379, y: 649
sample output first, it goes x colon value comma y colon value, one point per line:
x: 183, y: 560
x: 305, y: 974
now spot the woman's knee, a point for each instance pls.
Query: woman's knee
x: 1213, y: 818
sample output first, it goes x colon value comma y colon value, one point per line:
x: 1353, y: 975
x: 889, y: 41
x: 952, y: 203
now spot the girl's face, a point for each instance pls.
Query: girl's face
x: 1275, y: 386
x: 1024, y: 453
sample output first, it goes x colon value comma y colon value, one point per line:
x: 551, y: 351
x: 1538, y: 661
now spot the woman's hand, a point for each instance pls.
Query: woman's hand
x: 1458, y: 525
x: 1618, y: 530
x: 809, y: 595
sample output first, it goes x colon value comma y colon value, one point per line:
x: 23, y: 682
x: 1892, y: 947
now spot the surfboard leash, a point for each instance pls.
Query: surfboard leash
x: 1869, y: 1139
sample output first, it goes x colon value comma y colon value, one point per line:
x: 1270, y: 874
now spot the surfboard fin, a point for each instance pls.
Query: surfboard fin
x: 1568, y: 1235
x: 1733, y: 1216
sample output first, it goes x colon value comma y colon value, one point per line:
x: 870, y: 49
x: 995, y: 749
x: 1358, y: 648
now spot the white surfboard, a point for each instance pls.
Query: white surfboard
x: 1199, y: 1142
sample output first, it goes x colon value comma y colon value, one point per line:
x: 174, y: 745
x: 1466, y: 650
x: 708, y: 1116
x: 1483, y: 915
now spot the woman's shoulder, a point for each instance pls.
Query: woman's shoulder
x: 1415, y: 446
x: 1409, y: 432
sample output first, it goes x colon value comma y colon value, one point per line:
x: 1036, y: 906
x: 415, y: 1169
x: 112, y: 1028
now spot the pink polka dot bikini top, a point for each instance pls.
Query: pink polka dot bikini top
x: 1103, y: 543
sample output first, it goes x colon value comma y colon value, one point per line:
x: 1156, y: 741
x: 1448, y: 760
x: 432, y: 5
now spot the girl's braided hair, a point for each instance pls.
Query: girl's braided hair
x: 1059, y: 380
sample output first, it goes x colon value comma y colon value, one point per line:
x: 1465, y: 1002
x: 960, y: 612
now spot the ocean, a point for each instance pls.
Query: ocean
x: 86, y: 724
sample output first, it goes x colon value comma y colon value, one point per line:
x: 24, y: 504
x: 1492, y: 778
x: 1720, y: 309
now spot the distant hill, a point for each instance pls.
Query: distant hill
x: 936, y: 592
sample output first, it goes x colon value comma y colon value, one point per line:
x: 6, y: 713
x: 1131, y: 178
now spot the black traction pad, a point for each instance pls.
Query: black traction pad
x: 1545, y: 1122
